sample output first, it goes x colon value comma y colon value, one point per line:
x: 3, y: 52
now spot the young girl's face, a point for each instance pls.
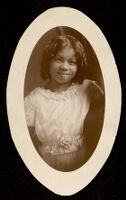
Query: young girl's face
x: 63, y: 66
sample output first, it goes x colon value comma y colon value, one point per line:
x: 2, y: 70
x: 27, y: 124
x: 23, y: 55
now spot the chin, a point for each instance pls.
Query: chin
x: 64, y: 81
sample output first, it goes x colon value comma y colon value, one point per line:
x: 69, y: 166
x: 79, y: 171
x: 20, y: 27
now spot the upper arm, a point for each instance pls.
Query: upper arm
x: 29, y: 111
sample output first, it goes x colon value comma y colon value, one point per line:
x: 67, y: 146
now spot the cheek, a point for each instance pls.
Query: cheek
x: 74, y: 70
x: 52, y: 67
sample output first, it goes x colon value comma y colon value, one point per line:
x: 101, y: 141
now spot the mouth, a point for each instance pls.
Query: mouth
x: 63, y: 74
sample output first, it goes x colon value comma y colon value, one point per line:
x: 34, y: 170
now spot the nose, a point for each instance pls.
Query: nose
x: 64, y: 66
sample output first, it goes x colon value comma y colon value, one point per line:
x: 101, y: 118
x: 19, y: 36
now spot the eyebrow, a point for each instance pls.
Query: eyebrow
x: 72, y: 58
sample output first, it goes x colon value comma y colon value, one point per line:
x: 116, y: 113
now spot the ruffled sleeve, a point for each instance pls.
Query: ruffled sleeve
x: 29, y: 111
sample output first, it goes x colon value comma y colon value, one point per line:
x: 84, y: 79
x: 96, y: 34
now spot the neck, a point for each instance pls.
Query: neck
x: 56, y: 87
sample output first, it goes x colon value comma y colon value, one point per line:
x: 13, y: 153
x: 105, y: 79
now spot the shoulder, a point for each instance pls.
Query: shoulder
x: 33, y: 96
x: 35, y: 93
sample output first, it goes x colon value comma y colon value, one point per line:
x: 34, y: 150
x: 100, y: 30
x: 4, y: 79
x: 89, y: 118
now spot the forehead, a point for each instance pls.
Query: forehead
x: 67, y: 52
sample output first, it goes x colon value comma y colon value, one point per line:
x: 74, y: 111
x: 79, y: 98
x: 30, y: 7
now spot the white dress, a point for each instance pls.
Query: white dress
x: 58, y: 119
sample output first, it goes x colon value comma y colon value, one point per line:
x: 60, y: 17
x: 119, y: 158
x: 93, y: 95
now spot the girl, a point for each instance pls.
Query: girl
x: 56, y: 113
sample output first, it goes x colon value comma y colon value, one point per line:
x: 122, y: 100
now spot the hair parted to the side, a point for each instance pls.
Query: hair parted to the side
x: 61, y: 42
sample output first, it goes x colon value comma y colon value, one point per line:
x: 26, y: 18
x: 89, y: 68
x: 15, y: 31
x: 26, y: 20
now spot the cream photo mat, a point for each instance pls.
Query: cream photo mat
x: 63, y: 183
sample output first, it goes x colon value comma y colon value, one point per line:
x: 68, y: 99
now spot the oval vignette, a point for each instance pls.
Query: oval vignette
x: 72, y: 181
x: 93, y: 122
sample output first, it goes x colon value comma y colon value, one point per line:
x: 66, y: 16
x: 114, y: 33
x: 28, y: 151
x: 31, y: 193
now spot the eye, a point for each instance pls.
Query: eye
x: 72, y: 62
x: 58, y: 59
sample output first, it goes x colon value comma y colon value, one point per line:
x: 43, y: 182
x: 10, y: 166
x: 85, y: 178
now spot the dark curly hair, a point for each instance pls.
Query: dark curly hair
x: 58, y: 43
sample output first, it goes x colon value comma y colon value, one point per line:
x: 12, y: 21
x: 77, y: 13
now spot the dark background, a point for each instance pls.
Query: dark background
x: 17, y: 183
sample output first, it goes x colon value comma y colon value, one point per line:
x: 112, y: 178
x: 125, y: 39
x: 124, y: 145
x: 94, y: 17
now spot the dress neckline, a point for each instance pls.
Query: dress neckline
x: 63, y: 95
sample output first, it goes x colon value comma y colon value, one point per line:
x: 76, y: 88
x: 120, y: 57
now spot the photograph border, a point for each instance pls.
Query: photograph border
x: 63, y: 16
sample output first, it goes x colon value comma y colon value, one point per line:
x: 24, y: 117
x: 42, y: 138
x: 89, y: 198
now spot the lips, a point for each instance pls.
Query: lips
x: 62, y: 73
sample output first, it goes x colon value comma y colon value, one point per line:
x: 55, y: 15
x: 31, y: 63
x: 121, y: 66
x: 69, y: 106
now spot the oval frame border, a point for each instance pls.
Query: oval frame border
x: 70, y: 182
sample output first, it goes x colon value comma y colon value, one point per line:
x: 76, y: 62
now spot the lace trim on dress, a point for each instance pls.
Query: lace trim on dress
x: 72, y: 90
x: 63, y: 145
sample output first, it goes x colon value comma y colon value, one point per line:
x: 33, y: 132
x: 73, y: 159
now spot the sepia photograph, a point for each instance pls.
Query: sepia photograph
x: 64, y: 98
